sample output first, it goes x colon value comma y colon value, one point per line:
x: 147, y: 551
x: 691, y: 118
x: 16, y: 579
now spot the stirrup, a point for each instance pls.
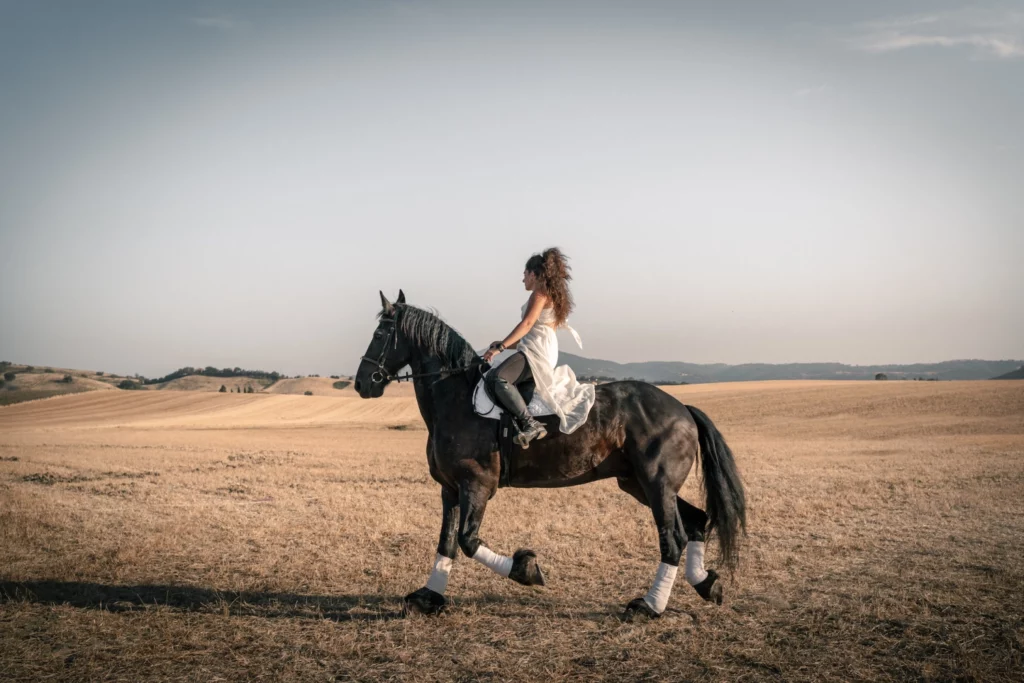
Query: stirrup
x: 530, y: 430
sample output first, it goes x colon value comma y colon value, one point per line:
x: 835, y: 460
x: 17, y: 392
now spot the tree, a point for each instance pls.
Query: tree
x: 9, y: 376
x: 99, y: 373
x: 66, y: 379
x: 308, y: 393
x: 127, y: 384
x: 223, y: 389
x: 881, y: 375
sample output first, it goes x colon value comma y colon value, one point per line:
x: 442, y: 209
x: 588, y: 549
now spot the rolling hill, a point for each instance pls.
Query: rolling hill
x: 696, y: 373
x: 203, y: 383
x: 43, y: 382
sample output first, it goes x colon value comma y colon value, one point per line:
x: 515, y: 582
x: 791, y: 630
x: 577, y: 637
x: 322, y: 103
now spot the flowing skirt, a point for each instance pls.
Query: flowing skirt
x: 556, y: 384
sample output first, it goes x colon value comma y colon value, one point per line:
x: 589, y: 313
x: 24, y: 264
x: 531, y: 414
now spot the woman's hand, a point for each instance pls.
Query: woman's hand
x: 495, y: 348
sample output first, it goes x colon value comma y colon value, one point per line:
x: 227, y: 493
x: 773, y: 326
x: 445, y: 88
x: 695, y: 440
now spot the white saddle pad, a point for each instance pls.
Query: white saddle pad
x: 485, y: 407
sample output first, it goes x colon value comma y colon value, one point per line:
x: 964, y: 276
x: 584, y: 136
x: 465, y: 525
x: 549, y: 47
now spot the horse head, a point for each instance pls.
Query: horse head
x: 387, y: 353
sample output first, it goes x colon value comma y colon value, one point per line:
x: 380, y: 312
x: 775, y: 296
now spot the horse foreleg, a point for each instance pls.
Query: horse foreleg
x: 431, y: 599
x: 522, y: 567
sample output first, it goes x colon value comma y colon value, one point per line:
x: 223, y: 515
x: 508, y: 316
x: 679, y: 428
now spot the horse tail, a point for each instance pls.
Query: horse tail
x: 726, y: 502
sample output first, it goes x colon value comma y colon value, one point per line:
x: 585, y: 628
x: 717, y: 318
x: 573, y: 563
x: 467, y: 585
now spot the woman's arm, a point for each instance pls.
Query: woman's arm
x: 533, y: 309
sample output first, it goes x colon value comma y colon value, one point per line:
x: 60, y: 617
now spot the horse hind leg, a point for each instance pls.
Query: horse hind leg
x: 705, y: 581
x: 660, y: 497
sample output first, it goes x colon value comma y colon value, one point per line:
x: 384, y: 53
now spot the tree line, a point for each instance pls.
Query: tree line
x: 210, y: 371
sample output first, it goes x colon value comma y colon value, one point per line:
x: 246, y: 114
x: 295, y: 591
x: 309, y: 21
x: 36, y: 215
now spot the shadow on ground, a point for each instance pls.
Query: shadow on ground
x: 110, y: 598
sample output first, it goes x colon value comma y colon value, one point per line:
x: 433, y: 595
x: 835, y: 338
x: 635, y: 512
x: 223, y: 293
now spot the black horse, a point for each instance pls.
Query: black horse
x: 643, y: 437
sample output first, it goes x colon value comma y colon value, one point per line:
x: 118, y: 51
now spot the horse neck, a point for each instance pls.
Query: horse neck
x: 436, y: 396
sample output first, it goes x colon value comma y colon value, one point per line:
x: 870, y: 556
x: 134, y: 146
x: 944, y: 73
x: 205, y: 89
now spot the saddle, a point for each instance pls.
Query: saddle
x: 509, y: 450
x: 526, y: 389
x: 485, y: 405
x: 506, y: 428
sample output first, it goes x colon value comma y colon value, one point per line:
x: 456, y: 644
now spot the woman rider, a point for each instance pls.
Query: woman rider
x: 547, y: 278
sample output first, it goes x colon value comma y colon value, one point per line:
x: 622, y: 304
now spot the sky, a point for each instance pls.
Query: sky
x: 230, y: 183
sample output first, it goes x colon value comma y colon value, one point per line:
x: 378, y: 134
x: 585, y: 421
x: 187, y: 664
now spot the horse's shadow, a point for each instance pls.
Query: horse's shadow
x: 340, y: 608
x: 88, y: 595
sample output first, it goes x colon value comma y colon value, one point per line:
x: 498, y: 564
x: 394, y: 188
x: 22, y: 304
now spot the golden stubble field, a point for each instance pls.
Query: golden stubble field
x: 200, y: 537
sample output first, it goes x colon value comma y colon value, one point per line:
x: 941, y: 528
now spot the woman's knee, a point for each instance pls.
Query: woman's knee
x: 511, y: 369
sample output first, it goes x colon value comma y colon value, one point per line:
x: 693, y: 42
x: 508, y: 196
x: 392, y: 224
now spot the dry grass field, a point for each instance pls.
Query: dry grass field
x: 320, y: 386
x: 204, y: 536
x: 38, y: 383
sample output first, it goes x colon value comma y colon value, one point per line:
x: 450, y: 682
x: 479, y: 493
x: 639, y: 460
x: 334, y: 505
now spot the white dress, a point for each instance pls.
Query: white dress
x: 556, y: 384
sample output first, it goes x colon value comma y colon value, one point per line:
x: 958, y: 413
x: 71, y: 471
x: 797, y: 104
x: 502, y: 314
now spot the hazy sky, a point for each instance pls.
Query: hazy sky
x: 230, y: 183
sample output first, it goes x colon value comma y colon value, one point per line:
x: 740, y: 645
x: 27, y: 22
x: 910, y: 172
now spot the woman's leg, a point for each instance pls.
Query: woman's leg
x: 503, y: 381
x: 515, y: 369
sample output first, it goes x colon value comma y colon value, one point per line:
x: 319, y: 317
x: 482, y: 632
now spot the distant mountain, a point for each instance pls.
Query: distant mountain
x: 697, y: 373
x: 1015, y: 374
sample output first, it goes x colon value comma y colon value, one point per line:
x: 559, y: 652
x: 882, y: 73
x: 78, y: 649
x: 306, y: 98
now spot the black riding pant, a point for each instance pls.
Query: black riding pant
x: 514, y: 370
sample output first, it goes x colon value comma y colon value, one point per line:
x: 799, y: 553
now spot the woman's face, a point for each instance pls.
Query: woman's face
x: 529, y: 280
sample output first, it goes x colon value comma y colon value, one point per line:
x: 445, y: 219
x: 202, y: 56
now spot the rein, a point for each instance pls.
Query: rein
x: 382, y: 374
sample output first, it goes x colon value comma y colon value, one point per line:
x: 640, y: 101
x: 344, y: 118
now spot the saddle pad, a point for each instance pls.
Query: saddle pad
x: 485, y: 406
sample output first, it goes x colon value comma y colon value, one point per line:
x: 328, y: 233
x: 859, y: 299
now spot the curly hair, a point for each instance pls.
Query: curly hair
x: 552, y: 271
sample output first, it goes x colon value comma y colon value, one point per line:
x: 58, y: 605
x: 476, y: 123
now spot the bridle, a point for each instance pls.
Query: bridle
x: 382, y: 375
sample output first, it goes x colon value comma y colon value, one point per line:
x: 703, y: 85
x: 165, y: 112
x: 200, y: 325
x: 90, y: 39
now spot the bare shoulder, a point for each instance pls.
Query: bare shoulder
x: 539, y: 298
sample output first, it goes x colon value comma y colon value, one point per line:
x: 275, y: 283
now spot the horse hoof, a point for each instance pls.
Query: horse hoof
x: 525, y: 568
x: 425, y: 601
x: 710, y: 588
x: 639, y: 610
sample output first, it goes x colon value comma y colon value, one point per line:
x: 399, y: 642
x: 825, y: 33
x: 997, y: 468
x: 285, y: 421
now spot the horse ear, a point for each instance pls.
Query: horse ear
x: 385, y: 304
x: 401, y: 297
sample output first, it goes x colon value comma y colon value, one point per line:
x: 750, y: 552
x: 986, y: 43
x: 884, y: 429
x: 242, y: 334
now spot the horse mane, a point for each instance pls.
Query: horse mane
x: 426, y: 330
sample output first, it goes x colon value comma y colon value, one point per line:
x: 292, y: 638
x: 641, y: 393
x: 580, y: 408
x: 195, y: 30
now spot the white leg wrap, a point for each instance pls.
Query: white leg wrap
x: 657, y: 597
x: 695, y: 572
x: 438, y: 580
x: 499, y: 564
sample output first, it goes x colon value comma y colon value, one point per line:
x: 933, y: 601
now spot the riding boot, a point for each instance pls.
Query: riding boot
x: 512, y: 400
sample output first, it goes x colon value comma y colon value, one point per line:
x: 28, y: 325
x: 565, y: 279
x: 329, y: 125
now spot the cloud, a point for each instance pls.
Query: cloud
x: 987, y: 34
x: 219, y: 23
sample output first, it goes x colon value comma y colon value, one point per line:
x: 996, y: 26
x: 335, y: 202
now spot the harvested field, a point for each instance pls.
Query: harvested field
x: 319, y: 386
x: 204, y: 536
